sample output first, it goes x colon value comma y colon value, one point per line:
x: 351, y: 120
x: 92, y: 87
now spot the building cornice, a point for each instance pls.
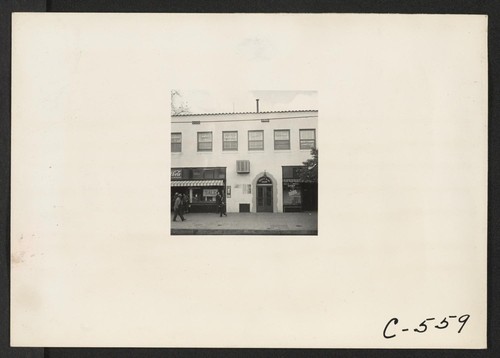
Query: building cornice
x: 233, y: 113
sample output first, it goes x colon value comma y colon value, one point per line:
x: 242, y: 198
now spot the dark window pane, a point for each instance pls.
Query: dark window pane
x: 269, y: 196
x: 282, y: 144
x: 197, y: 174
x: 230, y: 146
x: 256, y: 145
x: 176, y: 147
x: 176, y: 142
x: 287, y: 172
x: 307, y: 144
x: 208, y: 174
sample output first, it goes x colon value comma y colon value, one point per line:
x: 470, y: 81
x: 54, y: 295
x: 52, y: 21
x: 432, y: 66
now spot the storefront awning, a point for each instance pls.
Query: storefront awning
x: 184, y: 183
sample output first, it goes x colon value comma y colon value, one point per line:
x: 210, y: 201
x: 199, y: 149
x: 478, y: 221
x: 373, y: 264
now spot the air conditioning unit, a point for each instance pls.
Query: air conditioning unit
x: 242, y: 166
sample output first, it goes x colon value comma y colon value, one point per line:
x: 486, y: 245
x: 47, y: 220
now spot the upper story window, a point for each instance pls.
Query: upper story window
x: 307, y: 138
x: 230, y: 140
x: 208, y: 174
x: 204, y: 141
x: 255, y: 140
x: 282, y: 139
x: 176, y: 142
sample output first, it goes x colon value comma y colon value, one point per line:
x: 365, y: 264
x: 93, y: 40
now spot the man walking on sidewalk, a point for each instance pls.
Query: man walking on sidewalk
x: 221, y: 207
x: 178, y: 207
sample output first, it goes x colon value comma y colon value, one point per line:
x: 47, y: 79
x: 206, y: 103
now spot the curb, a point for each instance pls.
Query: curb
x: 242, y: 232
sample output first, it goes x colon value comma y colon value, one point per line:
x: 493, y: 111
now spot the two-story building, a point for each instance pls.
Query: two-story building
x: 253, y: 159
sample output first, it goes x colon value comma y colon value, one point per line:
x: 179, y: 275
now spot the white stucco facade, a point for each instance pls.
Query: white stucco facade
x: 268, y: 161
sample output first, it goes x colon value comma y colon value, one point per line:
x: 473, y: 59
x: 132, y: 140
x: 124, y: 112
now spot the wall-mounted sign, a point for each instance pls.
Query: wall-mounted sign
x: 228, y: 191
x: 176, y: 173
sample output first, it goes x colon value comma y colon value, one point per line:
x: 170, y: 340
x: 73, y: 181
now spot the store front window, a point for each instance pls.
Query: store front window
x: 292, y: 189
x: 200, y: 185
x: 298, y: 195
x: 291, y: 194
x: 205, y: 195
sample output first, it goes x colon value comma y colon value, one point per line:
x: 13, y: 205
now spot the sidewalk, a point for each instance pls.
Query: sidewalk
x: 305, y: 223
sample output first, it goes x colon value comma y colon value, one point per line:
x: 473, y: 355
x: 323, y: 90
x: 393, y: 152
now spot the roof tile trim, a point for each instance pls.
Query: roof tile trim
x: 228, y: 113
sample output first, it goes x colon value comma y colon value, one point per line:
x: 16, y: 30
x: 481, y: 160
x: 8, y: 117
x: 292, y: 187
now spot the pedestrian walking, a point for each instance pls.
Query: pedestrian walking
x: 185, y: 203
x: 223, y: 209
x: 218, y: 202
x: 221, y: 206
x: 178, y: 207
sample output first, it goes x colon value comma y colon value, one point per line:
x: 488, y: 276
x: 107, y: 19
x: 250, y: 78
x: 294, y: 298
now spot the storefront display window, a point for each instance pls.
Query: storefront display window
x: 201, y: 185
x: 292, y: 189
x: 205, y: 195
x: 291, y: 194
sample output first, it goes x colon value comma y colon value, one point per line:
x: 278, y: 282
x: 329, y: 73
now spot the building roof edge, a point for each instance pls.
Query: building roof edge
x: 230, y: 113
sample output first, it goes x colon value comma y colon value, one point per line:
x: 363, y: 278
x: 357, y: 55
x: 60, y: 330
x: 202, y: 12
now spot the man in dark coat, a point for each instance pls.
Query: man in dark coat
x: 185, y: 203
x: 178, y: 207
x: 218, y: 201
x: 221, y: 206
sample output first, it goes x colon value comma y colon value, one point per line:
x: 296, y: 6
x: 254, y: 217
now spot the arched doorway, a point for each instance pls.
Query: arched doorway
x: 264, y: 195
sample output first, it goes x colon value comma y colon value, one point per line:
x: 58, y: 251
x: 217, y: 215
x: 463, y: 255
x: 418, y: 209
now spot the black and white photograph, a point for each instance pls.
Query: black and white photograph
x: 166, y: 187
x: 244, y: 162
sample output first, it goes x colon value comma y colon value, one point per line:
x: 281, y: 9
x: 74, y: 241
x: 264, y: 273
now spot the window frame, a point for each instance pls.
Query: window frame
x: 230, y: 141
x: 253, y: 141
x: 172, y: 143
x: 289, y: 139
x: 306, y: 140
x: 198, y: 141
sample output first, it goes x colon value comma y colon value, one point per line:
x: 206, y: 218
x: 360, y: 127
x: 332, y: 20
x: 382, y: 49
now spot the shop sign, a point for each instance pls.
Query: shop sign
x: 176, y: 173
x: 210, y: 192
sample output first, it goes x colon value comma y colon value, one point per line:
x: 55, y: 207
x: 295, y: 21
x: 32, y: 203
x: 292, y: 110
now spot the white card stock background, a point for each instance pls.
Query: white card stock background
x: 402, y: 189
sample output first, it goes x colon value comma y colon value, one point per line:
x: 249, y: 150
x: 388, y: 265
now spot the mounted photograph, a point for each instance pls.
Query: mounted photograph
x: 244, y: 162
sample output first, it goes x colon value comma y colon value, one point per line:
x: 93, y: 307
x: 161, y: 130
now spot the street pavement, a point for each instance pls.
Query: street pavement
x: 305, y: 223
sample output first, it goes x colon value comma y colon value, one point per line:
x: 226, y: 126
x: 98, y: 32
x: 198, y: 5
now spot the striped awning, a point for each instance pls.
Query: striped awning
x: 177, y: 183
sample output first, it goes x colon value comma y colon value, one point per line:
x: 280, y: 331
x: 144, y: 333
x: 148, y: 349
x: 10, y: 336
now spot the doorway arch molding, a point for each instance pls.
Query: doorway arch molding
x: 254, y: 191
